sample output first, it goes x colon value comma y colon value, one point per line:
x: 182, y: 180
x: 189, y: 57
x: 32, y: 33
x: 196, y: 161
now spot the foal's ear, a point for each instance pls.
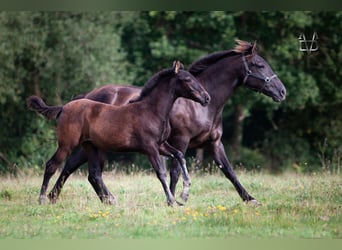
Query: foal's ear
x: 177, y: 65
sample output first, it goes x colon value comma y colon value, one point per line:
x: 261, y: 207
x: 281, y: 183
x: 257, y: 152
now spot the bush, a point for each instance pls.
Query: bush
x: 284, y: 150
x: 251, y: 159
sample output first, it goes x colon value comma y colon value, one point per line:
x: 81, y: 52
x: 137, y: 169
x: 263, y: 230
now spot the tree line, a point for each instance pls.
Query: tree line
x: 59, y: 55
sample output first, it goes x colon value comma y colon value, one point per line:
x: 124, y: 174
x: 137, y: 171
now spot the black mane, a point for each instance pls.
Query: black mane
x: 151, y: 83
x: 203, y: 63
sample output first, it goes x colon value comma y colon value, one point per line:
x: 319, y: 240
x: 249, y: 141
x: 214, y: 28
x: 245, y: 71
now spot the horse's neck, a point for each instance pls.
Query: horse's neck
x: 223, y: 84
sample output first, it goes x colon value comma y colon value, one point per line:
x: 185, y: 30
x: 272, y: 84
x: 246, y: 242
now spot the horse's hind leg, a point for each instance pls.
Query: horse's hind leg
x: 225, y: 166
x: 73, y: 163
x: 95, y: 165
x: 50, y: 168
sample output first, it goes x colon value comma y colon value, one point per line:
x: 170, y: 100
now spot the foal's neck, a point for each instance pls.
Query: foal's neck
x: 160, y: 100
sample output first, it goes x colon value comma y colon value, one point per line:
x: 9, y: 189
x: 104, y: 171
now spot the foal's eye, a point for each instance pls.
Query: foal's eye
x: 186, y: 79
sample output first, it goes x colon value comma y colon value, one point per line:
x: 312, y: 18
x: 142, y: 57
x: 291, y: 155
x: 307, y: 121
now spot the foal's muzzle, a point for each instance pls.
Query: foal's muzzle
x: 206, y: 99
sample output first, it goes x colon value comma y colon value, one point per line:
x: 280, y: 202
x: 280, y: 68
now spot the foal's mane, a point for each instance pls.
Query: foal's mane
x: 203, y: 63
x: 152, y: 82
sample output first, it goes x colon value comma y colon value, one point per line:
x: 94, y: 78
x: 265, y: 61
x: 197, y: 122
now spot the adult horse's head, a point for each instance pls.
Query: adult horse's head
x: 258, y: 75
x: 188, y: 86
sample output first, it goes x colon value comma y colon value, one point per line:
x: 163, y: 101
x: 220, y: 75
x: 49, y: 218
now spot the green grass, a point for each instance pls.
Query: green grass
x: 293, y: 206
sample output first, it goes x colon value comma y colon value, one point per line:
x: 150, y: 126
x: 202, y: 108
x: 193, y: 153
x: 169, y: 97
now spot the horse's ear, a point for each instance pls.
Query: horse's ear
x: 177, y: 65
x: 252, y: 49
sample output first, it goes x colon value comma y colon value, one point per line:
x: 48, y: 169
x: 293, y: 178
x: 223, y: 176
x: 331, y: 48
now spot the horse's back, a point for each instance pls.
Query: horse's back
x: 116, y: 95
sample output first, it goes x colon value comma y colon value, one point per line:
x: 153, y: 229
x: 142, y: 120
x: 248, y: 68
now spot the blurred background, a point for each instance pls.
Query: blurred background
x: 59, y: 55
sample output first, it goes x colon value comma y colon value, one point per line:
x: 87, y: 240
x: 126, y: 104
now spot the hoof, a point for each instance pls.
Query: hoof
x: 42, y: 200
x: 179, y: 203
x: 53, y: 201
x: 253, y: 203
x: 184, y: 196
x: 52, y: 198
x: 175, y: 204
x: 109, y: 200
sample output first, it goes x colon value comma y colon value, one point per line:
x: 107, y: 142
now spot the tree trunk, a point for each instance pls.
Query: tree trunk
x: 236, y: 139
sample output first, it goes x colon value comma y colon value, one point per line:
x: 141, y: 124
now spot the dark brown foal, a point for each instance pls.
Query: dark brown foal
x: 142, y: 126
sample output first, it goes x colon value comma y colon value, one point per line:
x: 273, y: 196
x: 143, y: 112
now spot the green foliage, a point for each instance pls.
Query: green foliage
x: 56, y: 55
x: 251, y: 159
x: 59, y: 55
x: 295, y: 154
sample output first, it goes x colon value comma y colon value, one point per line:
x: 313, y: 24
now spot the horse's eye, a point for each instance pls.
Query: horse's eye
x: 257, y: 65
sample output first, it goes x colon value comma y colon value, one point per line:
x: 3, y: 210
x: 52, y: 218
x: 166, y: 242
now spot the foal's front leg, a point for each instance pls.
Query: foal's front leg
x: 169, y: 150
x: 160, y: 169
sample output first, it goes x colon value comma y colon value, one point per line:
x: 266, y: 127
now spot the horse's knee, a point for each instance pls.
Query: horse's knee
x: 51, y: 167
x: 94, y: 178
x: 161, y: 174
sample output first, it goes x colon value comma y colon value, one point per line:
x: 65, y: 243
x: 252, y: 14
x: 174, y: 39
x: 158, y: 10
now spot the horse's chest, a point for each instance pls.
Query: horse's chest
x: 165, y: 131
x: 200, y: 139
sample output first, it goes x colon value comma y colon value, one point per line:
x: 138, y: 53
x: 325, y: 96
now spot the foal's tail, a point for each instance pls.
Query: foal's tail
x: 37, y: 104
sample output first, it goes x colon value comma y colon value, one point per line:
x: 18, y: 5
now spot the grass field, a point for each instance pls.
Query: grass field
x: 293, y: 206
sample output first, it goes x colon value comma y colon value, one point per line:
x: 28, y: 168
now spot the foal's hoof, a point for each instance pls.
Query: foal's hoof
x: 184, y: 196
x: 253, y: 203
x: 109, y: 200
x: 42, y: 200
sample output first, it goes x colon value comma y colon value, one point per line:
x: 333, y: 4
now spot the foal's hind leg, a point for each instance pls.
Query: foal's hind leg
x: 181, y: 143
x: 178, y: 155
x: 95, y: 165
x: 73, y: 163
x: 50, y: 168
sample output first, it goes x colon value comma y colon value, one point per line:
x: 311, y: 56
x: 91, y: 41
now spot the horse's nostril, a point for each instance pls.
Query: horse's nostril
x: 283, y: 93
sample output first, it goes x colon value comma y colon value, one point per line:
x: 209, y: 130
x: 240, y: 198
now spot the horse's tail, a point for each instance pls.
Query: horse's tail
x: 37, y: 104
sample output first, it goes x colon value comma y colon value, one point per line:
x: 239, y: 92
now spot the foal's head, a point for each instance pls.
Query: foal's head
x: 183, y: 84
x: 187, y: 85
x: 258, y: 75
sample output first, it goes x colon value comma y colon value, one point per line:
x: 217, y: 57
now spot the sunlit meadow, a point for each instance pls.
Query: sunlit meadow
x: 293, y: 206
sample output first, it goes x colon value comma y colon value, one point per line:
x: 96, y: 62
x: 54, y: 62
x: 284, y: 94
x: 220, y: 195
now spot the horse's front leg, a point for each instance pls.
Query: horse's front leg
x: 179, y: 156
x: 160, y: 170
